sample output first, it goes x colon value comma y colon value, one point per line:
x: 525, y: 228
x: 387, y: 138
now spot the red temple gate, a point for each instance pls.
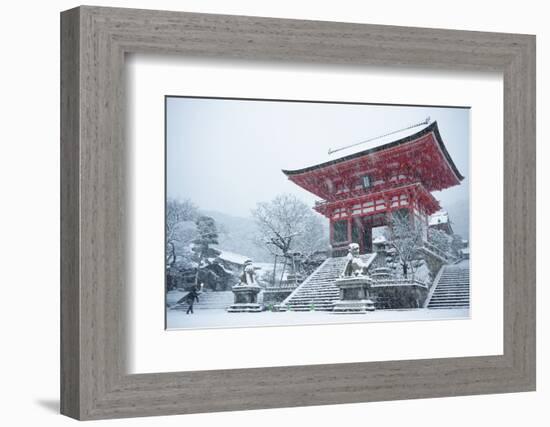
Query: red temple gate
x: 360, y: 191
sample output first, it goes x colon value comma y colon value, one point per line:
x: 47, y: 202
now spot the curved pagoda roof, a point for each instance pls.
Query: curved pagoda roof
x: 422, y: 155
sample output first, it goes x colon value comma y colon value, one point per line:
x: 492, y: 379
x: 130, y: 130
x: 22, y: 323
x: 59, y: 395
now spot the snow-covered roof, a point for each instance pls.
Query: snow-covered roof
x: 440, y: 217
x: 379, y: 239
x: 185, y: 260
x: 232, y: 257
x: 339, y: 150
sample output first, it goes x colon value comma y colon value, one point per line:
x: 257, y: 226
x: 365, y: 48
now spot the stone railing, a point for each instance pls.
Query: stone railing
x: 427, y: 246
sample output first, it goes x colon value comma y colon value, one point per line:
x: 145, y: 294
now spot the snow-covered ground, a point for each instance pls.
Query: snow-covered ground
x: 221, y: 319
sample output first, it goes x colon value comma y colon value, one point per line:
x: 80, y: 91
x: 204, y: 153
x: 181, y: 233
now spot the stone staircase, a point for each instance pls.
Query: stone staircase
x: 208, y: 300
x: 318, y: 291
x: 451, y: 288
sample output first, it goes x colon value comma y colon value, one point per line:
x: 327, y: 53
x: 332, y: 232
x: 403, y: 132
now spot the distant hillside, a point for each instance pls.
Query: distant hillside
x: 236, y: 235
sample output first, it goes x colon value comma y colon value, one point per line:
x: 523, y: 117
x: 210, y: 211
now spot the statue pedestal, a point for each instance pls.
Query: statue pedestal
x: 246, y: 299
x: 354, y: 295
x: 382, y: 273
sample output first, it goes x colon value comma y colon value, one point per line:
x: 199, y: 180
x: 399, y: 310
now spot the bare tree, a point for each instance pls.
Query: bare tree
x: 406, y: 238
x: 286, y: 224
x: 288, y: 227
x: 180, y: 228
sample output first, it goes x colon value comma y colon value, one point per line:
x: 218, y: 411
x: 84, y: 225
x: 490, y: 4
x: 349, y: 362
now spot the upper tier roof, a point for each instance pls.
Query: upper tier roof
x: 380, y: 146
x: 440, y: 217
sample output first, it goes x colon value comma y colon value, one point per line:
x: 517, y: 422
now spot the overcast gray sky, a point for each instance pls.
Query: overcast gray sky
x: 227, y: 155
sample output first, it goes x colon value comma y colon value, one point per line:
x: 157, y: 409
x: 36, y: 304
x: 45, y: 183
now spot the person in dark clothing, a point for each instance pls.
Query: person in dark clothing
x: 191, y: 297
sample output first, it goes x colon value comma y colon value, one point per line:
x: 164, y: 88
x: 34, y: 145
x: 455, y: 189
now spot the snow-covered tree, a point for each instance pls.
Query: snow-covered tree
x: 406, y: 237
x: 288, y: 228
x: 439, y: 239
x: 287, y: 225
x: 456, y: 244
x: 180, y: 229
x: 207, y: 235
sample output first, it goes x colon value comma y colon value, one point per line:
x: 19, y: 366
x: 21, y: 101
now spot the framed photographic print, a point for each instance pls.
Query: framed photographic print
x: 349, y: 208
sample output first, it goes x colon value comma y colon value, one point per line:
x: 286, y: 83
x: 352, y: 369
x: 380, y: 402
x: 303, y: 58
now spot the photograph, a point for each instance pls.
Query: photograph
x: 290, y: 212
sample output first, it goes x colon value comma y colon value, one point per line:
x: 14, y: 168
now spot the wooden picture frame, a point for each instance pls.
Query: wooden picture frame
x: 94, y: 41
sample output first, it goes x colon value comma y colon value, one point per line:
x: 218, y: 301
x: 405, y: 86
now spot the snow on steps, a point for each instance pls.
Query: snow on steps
x: 208, y: 300
x: 318, y: 290
x: 451, y: 288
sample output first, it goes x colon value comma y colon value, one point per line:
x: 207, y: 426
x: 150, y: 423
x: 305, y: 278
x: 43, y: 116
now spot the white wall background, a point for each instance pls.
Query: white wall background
x: 29, y: 212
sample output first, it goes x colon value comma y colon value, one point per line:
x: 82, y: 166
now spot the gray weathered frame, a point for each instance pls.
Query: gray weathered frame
x: 94, y: 42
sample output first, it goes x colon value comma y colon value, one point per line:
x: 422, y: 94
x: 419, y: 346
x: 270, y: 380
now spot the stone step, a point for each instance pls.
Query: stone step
x: 451, y: 291
x: 449, y: 302
x: 462, y: 280
x: 309, y: 303
x: 311, y: 297
x: 449, y: 305
x: 451, y: 294
x: 464, y: 291
x: 328, y: 297
x: 457, y: 282
x: 317, y: 292
x: 320, y: 285
x: 443, y: 307
x: 452, y: 285
x: 454, y: 292
x: 446, y: 285
x: 451, y: 297
x: 308, y: 306
x: 460, y: 291
x: 439, y: 296
x: 319, y: 295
